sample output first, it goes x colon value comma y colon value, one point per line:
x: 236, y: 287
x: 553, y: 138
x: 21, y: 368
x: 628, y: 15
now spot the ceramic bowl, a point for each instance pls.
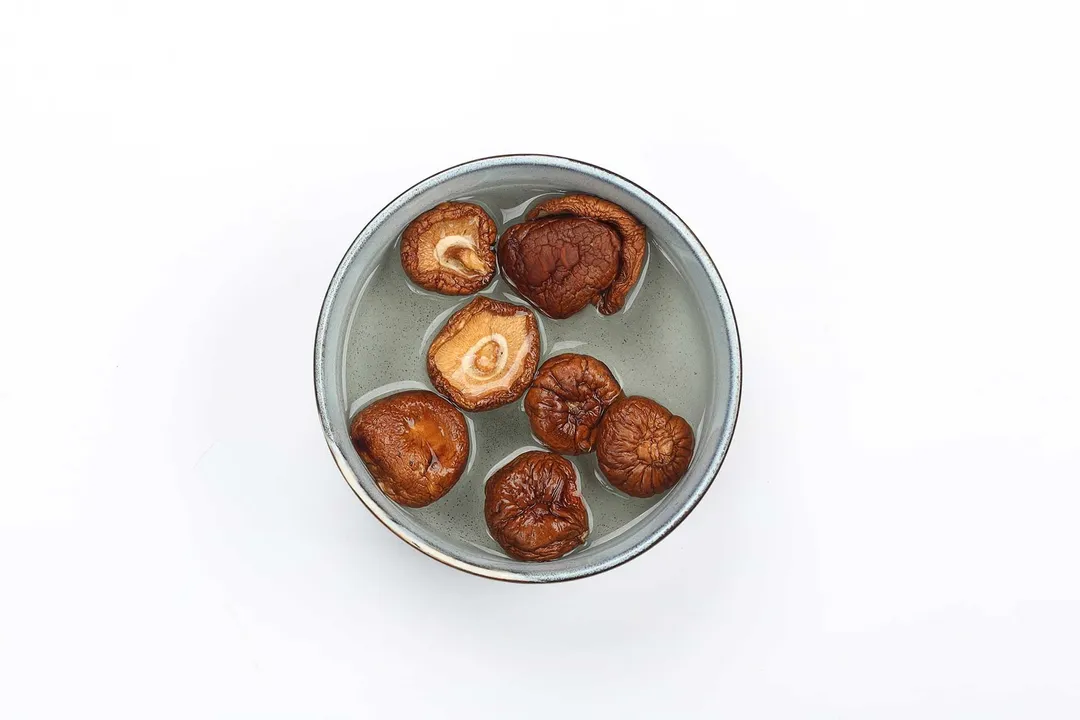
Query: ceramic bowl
x: 677, y: 242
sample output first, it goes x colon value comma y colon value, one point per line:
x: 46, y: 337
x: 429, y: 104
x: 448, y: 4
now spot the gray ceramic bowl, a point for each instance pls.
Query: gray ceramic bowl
x: 677, y: 242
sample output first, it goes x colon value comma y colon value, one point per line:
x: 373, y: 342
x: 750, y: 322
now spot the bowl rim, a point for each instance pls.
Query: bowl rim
x: 734, y: 358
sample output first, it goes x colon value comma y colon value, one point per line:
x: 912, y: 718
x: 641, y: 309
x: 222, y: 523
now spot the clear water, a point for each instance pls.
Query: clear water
x: 657, y: 346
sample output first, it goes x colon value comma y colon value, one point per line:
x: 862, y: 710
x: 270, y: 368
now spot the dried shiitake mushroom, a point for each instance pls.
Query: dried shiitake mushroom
x: 567, y: 399
x: 631, y: 234
x: 560, y: 264
x: 486, y: 354
x: 448, y: 249
x: 641, y: 448
x: 414, y: 443
x: 534, y: 509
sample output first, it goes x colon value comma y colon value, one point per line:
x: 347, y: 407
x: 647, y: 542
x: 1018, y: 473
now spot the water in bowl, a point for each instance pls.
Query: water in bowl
x: 657, y: 346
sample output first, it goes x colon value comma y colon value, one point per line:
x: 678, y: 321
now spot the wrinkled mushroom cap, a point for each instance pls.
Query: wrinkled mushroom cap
x: 630, y: 231
x: 567, y: 399
x: 642, y: 449
x: 560, y: 264
x: 534, y: 509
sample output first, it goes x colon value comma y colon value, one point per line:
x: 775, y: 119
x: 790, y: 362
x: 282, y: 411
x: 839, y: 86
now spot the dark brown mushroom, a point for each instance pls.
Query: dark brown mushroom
x: 448, y: 249
x: 486, y: 354
x: 534, y: 509
x: 642, y: 449
x: 414, y: 443
x: 631, y: 234
x: 567, y: 399
x: 560, y: 264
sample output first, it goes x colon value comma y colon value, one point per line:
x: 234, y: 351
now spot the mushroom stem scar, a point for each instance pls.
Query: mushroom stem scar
x: 486, y: 357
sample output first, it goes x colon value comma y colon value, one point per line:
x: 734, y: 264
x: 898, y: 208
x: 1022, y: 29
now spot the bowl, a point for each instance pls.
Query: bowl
x: 667, y: 232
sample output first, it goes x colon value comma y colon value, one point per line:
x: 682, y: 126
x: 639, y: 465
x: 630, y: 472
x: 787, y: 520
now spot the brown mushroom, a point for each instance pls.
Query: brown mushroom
x: 448, y: 249
x: 631, y: 233
x: 643, y: 449
x: 567, y: 399
x: 414, y: 443
x: 534, y: 509
x: 486, y: 354
x: 560, y: 264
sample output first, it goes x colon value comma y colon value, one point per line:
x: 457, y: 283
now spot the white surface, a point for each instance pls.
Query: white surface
x: 890, y: 195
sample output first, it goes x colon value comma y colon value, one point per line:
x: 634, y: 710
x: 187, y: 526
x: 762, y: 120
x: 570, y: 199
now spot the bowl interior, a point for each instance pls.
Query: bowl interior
x: 667, y: 232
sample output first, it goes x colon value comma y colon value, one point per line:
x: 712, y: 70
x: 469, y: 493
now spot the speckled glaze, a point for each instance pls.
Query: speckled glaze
x: 449, y: 530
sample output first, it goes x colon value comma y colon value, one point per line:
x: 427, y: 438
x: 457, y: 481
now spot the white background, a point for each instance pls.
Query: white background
x: 890, y: 191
